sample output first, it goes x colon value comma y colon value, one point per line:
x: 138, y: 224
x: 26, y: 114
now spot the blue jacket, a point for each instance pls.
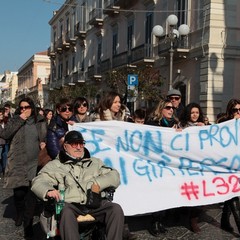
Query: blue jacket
x: 56, y: 131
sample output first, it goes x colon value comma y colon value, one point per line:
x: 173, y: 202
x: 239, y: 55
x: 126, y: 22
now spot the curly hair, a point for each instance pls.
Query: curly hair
x: 185, y: 116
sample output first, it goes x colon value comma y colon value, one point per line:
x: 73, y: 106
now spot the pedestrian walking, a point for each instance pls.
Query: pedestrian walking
x: 27, y: 134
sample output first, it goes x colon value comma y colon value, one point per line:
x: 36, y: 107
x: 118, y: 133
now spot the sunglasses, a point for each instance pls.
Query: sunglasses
x: 169, y: 107
x: 64, y: 109
x: 76, y: 144
x: 25, y: 107
x: 174, y: 98
x: 235, y: 110
x: 81, y: 104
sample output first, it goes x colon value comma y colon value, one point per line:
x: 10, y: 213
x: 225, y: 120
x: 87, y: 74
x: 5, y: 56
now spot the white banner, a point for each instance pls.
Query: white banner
x: 161, y: 168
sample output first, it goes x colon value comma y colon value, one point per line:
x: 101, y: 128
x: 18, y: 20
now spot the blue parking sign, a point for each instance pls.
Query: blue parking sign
x: 132, y: 80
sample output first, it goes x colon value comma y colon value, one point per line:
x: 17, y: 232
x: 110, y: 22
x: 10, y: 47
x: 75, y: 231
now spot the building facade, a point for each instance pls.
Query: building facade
x: 89, y: 39
x: 33, y: 79
x: 8, y: 87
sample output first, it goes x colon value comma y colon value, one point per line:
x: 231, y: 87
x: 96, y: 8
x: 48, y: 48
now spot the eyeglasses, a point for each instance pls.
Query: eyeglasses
x: 174, y: 98
x: 76, y: 144
x: 64, y: 109
x: 81, y: 104
x: 235, y: 110
x: 25, y: 107
x: 169, y: 107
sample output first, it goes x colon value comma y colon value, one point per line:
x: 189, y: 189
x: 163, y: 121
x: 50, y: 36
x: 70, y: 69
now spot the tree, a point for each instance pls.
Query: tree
x: 150, y: 82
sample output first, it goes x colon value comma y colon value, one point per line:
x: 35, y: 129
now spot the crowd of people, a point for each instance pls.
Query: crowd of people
x: 30, y: 130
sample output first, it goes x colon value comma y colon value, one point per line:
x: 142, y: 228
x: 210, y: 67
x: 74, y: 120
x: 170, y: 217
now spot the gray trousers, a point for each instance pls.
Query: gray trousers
x: 109, y: 213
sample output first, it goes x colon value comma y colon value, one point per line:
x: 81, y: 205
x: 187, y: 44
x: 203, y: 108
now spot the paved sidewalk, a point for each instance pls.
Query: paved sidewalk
x: 209, y: 224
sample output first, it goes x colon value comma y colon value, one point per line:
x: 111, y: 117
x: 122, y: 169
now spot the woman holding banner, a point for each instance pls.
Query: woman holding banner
x: 162, y: 116
x: 110, y: 108
x: 192, y: 115
x: 232, y: 205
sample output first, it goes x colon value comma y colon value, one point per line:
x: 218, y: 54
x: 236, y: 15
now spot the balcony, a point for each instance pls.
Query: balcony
x: 142, y: 54
x: 68, y: 80
x: 94, y: 72
x: 110, y: 9
x: 80, y: 30
x: 96, y: 17
x: 120, y: 60
x: 126, y: 4
x: 78, y: 77
x: 51, y: 52
x: 70, y: 39
x: 181, y: 47
x: 59, y: 45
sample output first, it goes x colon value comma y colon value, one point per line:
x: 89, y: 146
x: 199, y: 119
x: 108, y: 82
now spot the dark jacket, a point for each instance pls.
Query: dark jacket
x: 56, y: 131
x: 18, y: 167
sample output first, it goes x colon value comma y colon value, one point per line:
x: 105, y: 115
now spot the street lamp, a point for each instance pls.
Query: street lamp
x: 171, y: 36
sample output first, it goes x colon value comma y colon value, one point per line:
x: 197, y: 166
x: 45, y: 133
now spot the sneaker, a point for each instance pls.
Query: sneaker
x: 157, y: 228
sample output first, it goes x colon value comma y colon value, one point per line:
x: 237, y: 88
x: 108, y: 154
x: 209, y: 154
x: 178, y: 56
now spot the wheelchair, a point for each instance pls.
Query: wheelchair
x: 89, y: 230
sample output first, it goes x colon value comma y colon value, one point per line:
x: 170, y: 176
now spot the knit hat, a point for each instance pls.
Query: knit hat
x: 73, y: 136
x: 174, y: 92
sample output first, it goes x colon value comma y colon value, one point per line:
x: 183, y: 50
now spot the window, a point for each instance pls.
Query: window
x: 61, y: 31
x: 115, y: 40
x: 83, y: 17
x: 73, y: 64
x: 82, y: 60
x: 148, y: 27
x: 99, y: 50
x: 67, y: 25
x: 130, y: 34
x: 60, y: 69
x: 67, y: 68
x: 182, y: 6
x: 148, y: 34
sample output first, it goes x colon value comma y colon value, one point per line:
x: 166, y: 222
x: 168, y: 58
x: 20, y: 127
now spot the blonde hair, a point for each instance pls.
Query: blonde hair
x: 157, y: 113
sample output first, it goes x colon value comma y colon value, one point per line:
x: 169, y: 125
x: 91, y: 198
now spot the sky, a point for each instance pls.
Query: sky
x: 24, y: 30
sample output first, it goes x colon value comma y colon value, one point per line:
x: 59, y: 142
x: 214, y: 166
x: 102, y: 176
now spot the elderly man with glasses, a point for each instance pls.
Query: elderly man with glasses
x: 175, y: 96
x: 79, y: 174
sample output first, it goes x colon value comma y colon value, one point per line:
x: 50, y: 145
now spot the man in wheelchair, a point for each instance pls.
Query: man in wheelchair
x: 84, y: 179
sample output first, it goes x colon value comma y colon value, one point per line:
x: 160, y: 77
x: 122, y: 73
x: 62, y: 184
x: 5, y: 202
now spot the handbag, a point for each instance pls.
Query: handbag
x: 43, y: 157
x: 48, y: 223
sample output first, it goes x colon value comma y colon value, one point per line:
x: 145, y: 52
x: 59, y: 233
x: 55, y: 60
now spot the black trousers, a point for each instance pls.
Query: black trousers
x: 25, y: 203
x: 109, y: 213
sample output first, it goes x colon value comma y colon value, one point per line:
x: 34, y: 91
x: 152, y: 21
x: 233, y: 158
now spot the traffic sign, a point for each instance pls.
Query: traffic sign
x: 132, y: 80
